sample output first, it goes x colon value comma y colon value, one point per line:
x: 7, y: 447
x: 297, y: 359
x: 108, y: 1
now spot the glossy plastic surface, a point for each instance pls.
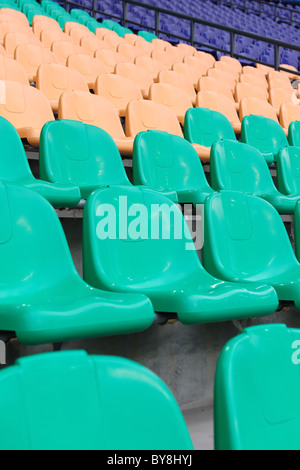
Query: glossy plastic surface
x: 170, y: 273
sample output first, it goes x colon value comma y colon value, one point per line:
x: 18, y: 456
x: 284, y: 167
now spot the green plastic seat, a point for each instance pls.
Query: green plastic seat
x: 147, y: 35
x: 240, y: 167
x: 266, y: 135
x: 109, y: 24
x: 76, y: 12
x: 203, y: 126
x: 288, y: 171
x: 43, y: 298
x: 297, y: 231
x: 153, y: 253
x: 14, y: 168
x: 257, y: 387
x: 245, y: 240
x: 169, y: 164
x: 92, y: 25
x: 73, y: 152
x: 72, y: 401
x: 122, y: 31
x: 294, y: 133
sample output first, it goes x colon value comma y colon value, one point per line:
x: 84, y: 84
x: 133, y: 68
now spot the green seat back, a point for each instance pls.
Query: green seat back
x: 147, y: 35
x: 297, y: 230
x: 72, y: 151
x: 163, y: 161
x: 266, y: 135
x: 294, y: 133
x: 76, y: 12
x: 257, y: 388
x: 288, y: 170
x: 203, y: 126
x: 239, y: 167
x: 245, y: 239
x: 72, y: 401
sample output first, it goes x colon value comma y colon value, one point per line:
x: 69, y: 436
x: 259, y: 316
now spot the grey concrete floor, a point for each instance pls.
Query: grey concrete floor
x: 200, y: 424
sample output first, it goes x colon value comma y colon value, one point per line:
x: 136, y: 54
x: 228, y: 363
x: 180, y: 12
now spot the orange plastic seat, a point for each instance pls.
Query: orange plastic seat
x: 279, y: 96
x: 179, y: 80
x: 167, y: 59
x: 97, y: 111
x: 209, y: 58
x: 54, y: 79
x: 40, y: 26
x: 91, y: 44
x: 48, y: 36
x: 101, y: 32
x: 137, y: 74
x: 246, y: 90
x: 212, y: 84
x: 63, y: 49
x: 191, y: 72
x: 88, y: 66
x: 250, y: 106
x: 175, y: 52
x: 264, y: 68
x: 132, y: 38
x: 12, y: 27
x: 77, y: 34
x: 113, y: 40
x: 234, y: 63
x: 31, y: 57
x: 15, y: 14
x: 153, y: 67
x: 118, y: 90
x: 173, y: 97
x: 46, y: 20
x: 227, y: 68
x: 12, y: 71
x: 69, y: 25
x: 146, y: 46
x: 143, y: 115
x: 160, y: 44
x: 187, y: 49
x: 253, y: 71
x: 223, y: 77
x: 26, y: 108
x: 288, y: 113
x: 130, y: 52
x: 255, y: 82
x: 221, y: 104
x: 13, y: 40
x: 291, y: 75
x: 274, y: 74
x: 110, y: 58
x: 201, y: 64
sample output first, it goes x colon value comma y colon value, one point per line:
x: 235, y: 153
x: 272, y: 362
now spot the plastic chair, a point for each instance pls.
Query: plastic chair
x: 63, y: 49
x: 12, y: 27
x: 274, y: 74
x: 221, y: 104
x: 118, y: 90
x: 263, y: 68
x: 55, y: 79
x: 162, y: 56
x: 13, y: 40
x: 248, y: 69
x: 223, y: 77
x: 276, y: 83
x: 91, y: 44
x: 288, y: 113
x: 202, y: 127
x: 148, y: 36
x: 12, y: 13
x: 43, y: 297
x: 193, y: 73
x: 234, y: 63
x: 294, y: 134
x: 14, y: 168
x: 69, y: 25
x: 211, y: 84
x: 97, y: 111
x: 71, y: 151
x: 280, y: 96
x: 227, y: 68
x: 110, y: 58
x: 31, y: 57
x: 26, y: 108
x: 48, y: 36
x: 264, y: 134
x: 88, y: 66
x: 101, y: 32
x: 159, y: 43
x: 201, y: 64
x: 246, y: 241
x: 179, y: 80
x: 41, y: 23
x: 169, y: 164
x: 235, y: 166
x: 171, y: 274
x: 187, y: 48
x: 250, y: 106
x: 256, y: 82
x: 143, y: 115
x: 246, y: 90
x: 153, y: 67
x: 257, y: 389
x: 77, y: 34
x: 60, y: 394
x: 113, y: 40
x: 288, y: 171
x: 173, y: 97
x: 131, y: 52
x: 205, y: 56
x: 137, y: 74
x: 12, y: 70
